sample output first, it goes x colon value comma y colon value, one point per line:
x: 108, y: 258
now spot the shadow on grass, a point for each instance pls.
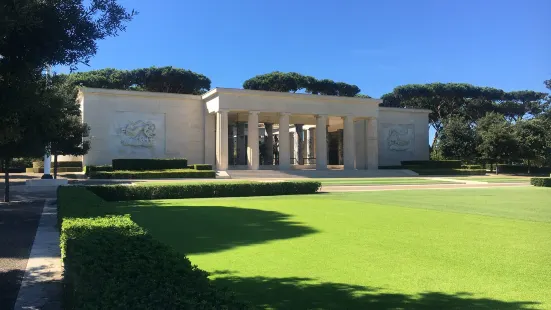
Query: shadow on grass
x: 203, y: 229
x: 302, y: 293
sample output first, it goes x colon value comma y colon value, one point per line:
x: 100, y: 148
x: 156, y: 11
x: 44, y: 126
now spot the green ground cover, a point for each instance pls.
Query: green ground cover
x: 423, y: 249
x: 382, y: 181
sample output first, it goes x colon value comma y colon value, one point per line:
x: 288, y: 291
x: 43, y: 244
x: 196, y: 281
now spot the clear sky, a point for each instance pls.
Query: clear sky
x: 376, y: 45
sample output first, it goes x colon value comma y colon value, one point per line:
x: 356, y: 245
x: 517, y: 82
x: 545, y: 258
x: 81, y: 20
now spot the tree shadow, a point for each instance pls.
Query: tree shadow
x: 302, y: 293
x: 35, y: 280
x: 204, y: 229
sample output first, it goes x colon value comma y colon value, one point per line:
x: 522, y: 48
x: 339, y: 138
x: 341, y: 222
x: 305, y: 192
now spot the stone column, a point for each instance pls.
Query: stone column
x: 311, y: 142
x: 241, y: 146
x: 340, y: 147
x: 372, y: 144
x: 269, y: 143
x: 284, y: 147
x: 231, y: 145
x: 321, y: 142
x: 299, y: 147
x: 253, y: 151
x: 222, y: 140
x: 349, y: 143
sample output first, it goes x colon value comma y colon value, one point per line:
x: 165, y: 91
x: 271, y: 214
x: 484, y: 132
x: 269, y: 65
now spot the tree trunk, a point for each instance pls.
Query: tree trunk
x: 528, y: 167
x: 55, y: 166
x: 6, y: 163
x: 434, y: 139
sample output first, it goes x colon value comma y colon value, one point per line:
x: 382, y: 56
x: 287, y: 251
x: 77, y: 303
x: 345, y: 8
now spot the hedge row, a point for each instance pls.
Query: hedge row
x: 64, y: 164
x: 472, y: 167
x: 89, y: 170
x: 543, y: 182
x: 523, y: 169
x: 432, y: 164
x: 149, y: 164
x: 202, y: 167
x: 450, y: 171
x: 59, y: 170
x: 203, y: 190
x: 160, y: 174
x: 112, y: 263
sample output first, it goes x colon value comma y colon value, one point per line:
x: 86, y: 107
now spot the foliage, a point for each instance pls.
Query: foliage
x: 464, y: 100
x: 522, y: 169
x: 164, y: 79
x: 149, y: 164
x: 542, y: 182
x: 202, y: 167
x: 204, y: 190
x: 112, y: 263
x: 293, y: 82
x: 533, y: 140
x: 432, y: 164
x: 89, y: 170
x: 457, y: 139
x: 153, y: 174
x: 472, y: 167
x: 33, y: 36
x: 497, y: 139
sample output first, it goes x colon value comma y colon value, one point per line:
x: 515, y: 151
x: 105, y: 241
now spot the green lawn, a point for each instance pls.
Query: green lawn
x: 423, y: 249
x: 495, y: 179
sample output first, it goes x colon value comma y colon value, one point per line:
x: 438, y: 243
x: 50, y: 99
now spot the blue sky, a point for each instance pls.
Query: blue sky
x: 376, y: 45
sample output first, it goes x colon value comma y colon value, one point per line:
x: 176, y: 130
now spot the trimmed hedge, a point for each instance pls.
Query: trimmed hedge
x: 472, y: 167
x: 432, y: 164
x: 450, y: 171
x: 202, y: 167
x: 543, y: 182
x: 149, y: 164
x: 160, y: 174
x: 522, y: 169
x: 59, y: 170
x: 89, y: 170
x: 60, y: 164
x: 204, y: 190
x: 112, y: 263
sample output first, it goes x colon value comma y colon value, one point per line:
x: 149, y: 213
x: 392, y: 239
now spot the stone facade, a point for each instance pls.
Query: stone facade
x: 217, y: 128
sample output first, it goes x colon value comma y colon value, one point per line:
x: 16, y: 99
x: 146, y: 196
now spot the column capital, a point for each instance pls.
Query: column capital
x: 253, y: 112
x: 321, y: 115
x: 284, y: 114
x: 347, y: 116
x: 222, y: 111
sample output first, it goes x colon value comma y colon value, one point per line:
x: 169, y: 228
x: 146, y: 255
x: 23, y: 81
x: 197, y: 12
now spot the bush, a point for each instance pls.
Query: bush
x: 543, y: 182
x: 112, y: 263
x: 522, y: 169
x: 67, y: 164
x: 472, y: 167
x: 160, y: 174
x: 203, y: 190
x: 149, y: 164
x: 450, y: 171
x: 89, y: 170
x: 432, y: 164
x: 202, y: 167
x: 59, y: 170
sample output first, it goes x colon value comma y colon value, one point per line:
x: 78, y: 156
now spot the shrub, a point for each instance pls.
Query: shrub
x: 450, y: 171
x: 522, y: 169
x: 543, y: 182
x: 432, y: 164
x: 59, y: 170
x: 203, y: 190
x: 472, y: 167
x: 149, y: 164
x: 202, y: 167
x: 160, y: 174
x: 67, y: 164
x: 112, y: 263
x: 89, y: 170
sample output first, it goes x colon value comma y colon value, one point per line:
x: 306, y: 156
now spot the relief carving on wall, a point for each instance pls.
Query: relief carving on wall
x: 400, y: 138
x: 138, y: 133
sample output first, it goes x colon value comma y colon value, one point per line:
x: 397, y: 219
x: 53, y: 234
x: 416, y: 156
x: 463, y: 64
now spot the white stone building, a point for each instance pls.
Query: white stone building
x: 236, y: 129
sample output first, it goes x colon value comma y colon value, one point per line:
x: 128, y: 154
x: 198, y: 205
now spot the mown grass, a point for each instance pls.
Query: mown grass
x: 424, y: 249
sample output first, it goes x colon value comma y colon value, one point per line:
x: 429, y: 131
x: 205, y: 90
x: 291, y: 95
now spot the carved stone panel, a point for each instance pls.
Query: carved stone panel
x: 399, y: 137
x: 136, y: 134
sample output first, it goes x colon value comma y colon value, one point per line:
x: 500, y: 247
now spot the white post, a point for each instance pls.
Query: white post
x: 284, y: 146
x: 349, y: 143
x: 310, y: 149
x: 372, y: 144
x: 321, y: 142
x: 47, y: 166
x: 252, y: 146
x: 222, y: 140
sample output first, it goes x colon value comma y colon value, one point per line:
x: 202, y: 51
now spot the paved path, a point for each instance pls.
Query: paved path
x: 18, y: 223
x: 369, y: 188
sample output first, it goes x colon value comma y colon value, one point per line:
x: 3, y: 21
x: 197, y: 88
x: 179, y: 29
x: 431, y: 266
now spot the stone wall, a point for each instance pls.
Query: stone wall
x: 143, y: 125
